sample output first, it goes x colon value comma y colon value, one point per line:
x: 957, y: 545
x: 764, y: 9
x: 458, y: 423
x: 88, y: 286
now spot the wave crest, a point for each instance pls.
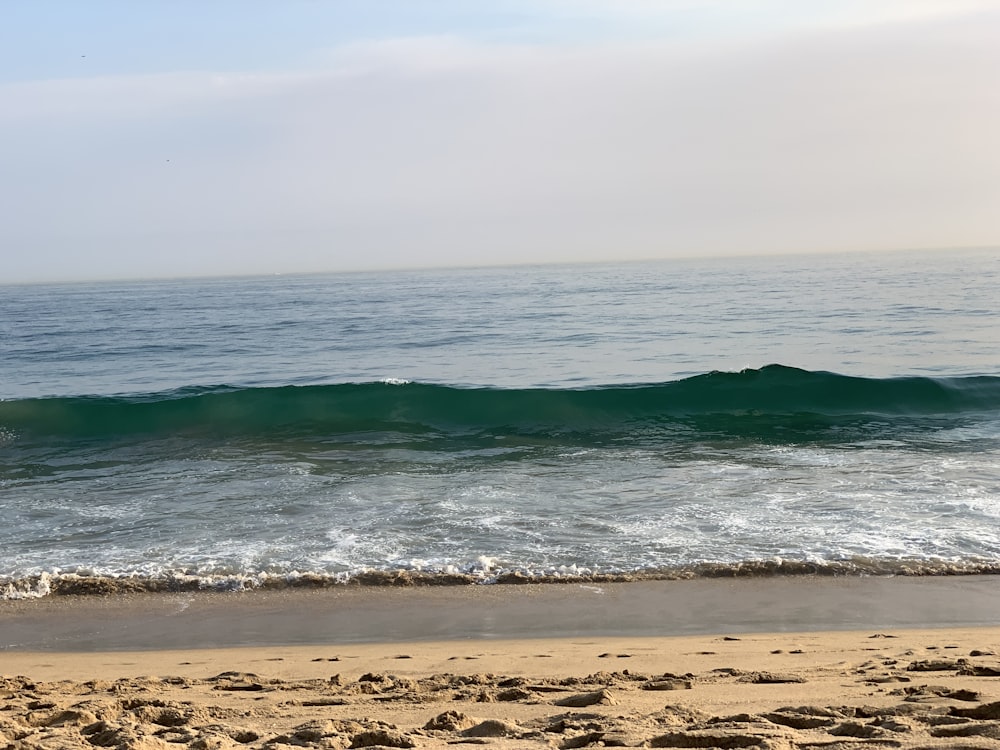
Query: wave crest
x: 774, y: 401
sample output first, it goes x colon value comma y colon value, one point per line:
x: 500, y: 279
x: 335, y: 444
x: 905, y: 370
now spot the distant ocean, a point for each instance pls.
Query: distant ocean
x: 727, y: 417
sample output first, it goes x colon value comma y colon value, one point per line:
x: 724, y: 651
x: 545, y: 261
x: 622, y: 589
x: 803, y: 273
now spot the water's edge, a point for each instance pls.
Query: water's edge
x: 75, y: 584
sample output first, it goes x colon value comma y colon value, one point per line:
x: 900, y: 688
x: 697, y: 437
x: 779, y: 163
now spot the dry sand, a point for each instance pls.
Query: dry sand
x: 894, y: 688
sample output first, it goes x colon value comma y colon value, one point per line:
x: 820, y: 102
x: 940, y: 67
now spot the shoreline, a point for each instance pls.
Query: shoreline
x: 375, y: 614
x: 41, y: 585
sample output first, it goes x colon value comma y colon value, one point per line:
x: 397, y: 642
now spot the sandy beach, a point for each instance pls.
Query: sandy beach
x: 907, y: 688
x: 80, y: 684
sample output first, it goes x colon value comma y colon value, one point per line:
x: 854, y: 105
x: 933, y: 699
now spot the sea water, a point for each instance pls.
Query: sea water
x: 824, y: 414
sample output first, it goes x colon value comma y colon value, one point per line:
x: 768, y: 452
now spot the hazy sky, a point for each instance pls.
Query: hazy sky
x: 190, y: 137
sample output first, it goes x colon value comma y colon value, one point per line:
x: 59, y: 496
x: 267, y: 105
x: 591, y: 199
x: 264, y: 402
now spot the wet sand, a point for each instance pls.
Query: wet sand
x: 845, y: 664
x: 365, y: 614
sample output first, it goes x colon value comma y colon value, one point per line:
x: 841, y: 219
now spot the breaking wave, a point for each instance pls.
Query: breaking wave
x: 773, y: 403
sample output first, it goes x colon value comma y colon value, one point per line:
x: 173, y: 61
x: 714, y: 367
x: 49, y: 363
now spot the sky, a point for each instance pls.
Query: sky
x: 170, y: 138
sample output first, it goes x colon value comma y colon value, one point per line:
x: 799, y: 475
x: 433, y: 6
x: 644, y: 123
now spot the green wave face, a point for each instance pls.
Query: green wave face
x: 774, y: 403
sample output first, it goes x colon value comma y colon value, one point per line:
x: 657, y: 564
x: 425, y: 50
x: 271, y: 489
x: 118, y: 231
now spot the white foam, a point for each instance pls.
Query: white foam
x: 28, y: 588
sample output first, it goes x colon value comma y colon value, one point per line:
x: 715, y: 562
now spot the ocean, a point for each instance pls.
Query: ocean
x: 814, y: 414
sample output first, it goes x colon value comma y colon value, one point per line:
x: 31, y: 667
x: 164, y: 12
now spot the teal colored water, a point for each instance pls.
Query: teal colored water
x: 816, y: 413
